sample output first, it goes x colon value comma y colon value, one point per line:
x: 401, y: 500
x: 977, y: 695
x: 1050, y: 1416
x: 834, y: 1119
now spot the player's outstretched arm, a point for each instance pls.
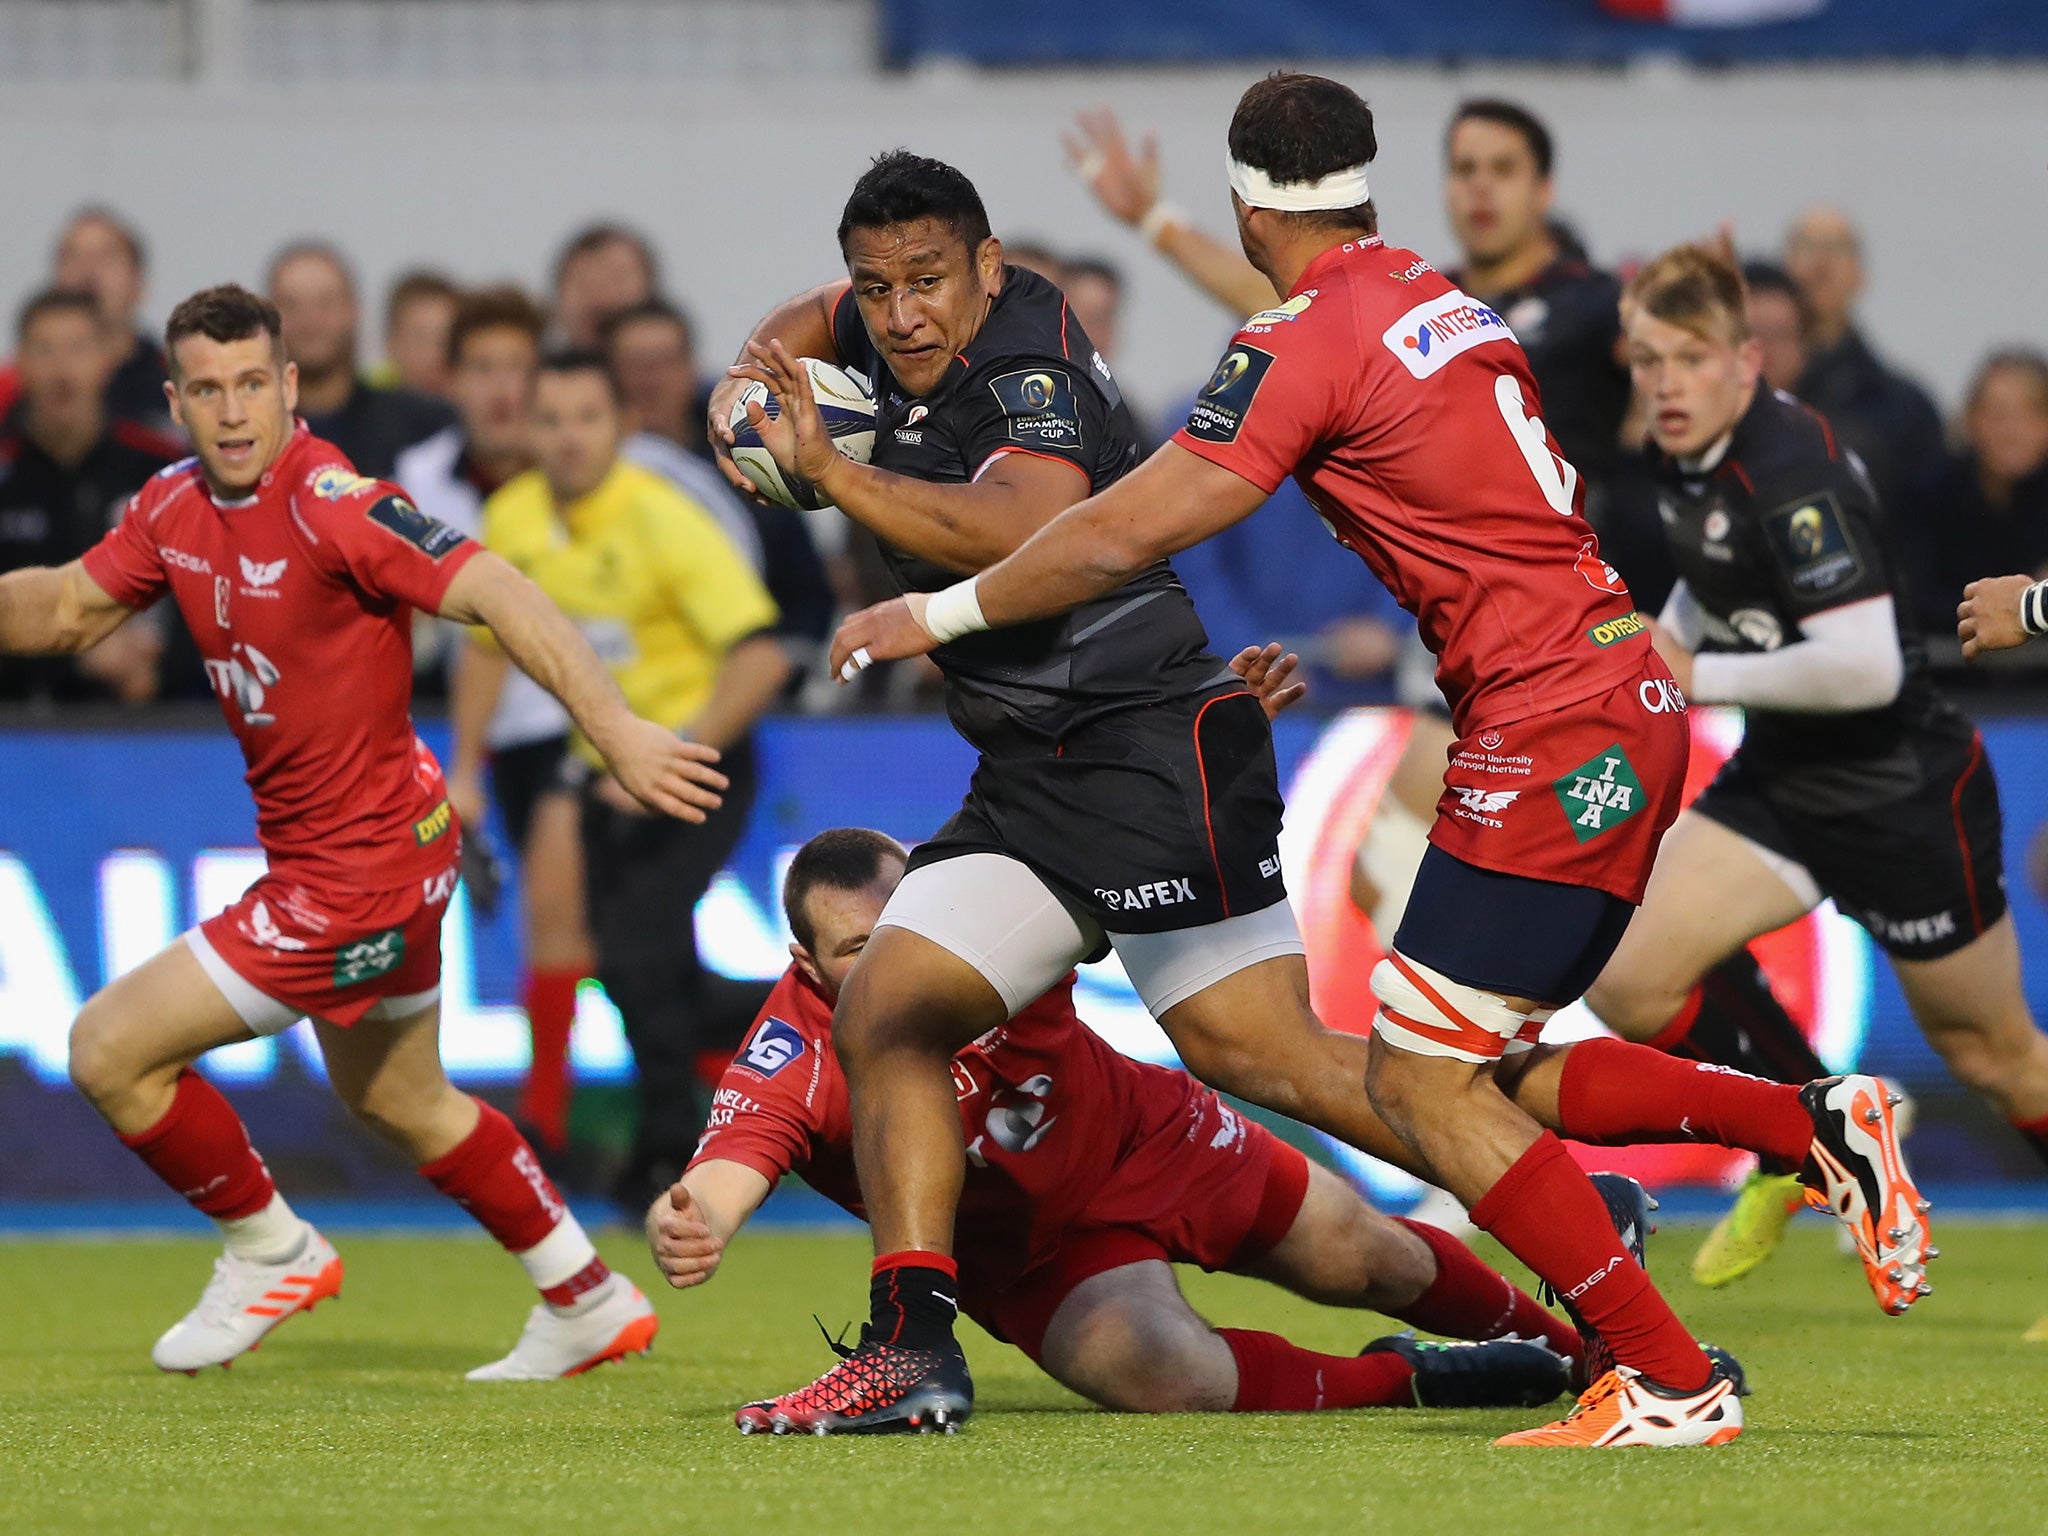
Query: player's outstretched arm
x: 1995, y: 613
x: 50, y: 610
x: 658, y: 768
x: 803, y: 325
x: 689, y: 1226
x: 964, y: 528
x: 1172, y: 500
x: 1126, y: 184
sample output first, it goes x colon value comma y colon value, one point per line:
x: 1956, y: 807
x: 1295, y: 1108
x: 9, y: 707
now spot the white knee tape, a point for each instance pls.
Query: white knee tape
x: 1426, y: 1012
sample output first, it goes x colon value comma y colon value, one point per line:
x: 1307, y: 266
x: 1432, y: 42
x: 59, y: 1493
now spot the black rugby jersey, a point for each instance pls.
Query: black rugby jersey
x: 1784, y: 527
x: 1031, y: 382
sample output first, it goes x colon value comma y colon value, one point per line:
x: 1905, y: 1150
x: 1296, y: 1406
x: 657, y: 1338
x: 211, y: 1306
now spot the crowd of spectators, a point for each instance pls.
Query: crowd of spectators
x: 83, y: 419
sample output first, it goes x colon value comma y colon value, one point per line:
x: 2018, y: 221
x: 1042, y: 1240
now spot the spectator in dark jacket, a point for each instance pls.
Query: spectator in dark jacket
x: 315, y: 293
x: 1883, y: 415
x: 1984, y: 512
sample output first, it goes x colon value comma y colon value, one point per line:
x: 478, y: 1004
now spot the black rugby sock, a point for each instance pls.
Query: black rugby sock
x: 913, y: 1299
x: 1741, y: 1024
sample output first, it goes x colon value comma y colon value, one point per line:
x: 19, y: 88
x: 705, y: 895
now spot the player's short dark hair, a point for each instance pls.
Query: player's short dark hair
x: 1508, y: 114
x: 54, y: 301
x: 1298, y: 127
x: 500, y: 308
x: 123, y: 231
x: 229, y: 312
x: 592, y: 238
x: 311, y: 250
x: 843, y: 859
x: 1097, y: 267
x: 901, y: 188
x: 582, y: 360
x: 1769, y: 277
x: 660, y: 309
x: 1688, y: 286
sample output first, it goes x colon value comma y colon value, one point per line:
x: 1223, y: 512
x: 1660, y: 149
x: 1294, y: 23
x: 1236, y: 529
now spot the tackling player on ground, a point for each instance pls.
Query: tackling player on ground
x: 297, y: 578
x: 1410, y: 416
x: 1856, y: 780
x: 1090, y: 1175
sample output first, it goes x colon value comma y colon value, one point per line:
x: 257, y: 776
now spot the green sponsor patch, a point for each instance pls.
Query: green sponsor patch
x: 1600, y: 794
x: 1613, y: 631
x: 367, y: 959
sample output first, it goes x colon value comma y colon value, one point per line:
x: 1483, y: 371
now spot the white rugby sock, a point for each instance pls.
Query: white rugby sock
x: 271, y: 1236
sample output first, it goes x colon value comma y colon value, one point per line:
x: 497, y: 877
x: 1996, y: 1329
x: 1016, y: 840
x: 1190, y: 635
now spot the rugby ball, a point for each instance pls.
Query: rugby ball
x: 848, y: 407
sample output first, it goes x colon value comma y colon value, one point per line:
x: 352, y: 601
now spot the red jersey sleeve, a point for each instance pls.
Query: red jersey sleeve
x: 379, y: 541
x: 126, y: 564
x: 1276, y: 394
x: 774, y: 1101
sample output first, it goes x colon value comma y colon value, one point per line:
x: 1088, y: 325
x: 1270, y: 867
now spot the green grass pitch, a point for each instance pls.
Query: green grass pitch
x: 356, y: 1418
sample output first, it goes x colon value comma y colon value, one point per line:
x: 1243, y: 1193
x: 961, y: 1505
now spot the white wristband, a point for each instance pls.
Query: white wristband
x: 954, y: 612
x: 2034, y: 609
x: 1159, y: 218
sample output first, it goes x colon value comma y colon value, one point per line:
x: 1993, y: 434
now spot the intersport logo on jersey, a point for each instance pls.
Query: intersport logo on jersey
x: 1434, y: 332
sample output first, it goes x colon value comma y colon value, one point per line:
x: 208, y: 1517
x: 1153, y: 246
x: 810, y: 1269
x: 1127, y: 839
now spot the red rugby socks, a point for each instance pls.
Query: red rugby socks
x: 2036, y: 1132
x: 1546, y: 1213
x: 1614, y: 1093
x: 913, y: 1297
x: 1274, y: 1376
x: 494, y: 1175
x: 550, y: 1016
x: 201, y: 1149
x: 1470, y: 1300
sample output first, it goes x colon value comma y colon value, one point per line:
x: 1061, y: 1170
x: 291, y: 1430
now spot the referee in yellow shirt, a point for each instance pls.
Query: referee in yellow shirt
x: 685, y: 624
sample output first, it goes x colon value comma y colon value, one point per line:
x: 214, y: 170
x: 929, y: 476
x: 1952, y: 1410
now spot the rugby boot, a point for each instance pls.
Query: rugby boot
x: 1752, y: 1229
x: 1856, y: 1171
x: 1626, y: 1408
x: 1492, y: 1373
x: 245, y: 1300
x: 610, y: 1325
x: 875, y: 1389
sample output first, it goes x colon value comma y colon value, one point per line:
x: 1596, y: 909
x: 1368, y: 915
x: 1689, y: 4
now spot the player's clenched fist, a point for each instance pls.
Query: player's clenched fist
x: 685, y: 1249
x: 886, y: 632
x: 1989, y: 618
x: 662, y: 771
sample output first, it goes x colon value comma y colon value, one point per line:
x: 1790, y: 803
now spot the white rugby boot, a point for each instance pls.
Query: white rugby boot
x: 620, y: 1322
x: 243, y: 1301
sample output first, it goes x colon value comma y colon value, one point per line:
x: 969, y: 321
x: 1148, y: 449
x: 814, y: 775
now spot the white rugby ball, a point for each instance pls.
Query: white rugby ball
x: 848, y: 407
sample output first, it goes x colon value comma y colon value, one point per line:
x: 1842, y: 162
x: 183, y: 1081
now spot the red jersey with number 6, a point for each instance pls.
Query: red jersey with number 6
x: 1407, y: 413
x: 300, y: 600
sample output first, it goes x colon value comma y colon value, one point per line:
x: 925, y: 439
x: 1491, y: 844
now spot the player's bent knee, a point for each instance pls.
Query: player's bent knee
x: 99, y: 1067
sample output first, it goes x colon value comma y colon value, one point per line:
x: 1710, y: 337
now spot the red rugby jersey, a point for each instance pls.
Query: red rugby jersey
x: 300, y: 600
x: 1407, y: 413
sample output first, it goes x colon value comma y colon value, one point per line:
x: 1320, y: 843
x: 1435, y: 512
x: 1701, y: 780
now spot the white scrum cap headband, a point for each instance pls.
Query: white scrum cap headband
x: 1339, y: 189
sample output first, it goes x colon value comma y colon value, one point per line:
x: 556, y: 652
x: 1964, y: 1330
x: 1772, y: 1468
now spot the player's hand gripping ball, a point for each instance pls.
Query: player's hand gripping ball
x: 785, y: 418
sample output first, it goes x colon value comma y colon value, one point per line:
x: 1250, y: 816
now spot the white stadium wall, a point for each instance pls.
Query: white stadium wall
x: 740, y: 183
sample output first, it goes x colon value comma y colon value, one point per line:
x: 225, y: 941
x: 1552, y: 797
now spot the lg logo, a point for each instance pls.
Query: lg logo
x: 1661, y: 696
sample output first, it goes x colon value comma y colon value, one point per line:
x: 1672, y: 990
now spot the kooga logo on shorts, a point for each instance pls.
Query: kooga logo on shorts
x: 1433, y: 333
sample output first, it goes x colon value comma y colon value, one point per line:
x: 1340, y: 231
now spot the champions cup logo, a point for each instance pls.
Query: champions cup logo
x: 1227, y: 373
x: 1809, y: 536
x: 1038, y: 391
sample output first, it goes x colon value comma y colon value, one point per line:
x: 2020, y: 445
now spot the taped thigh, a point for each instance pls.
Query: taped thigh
x: 1424, y: 1011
